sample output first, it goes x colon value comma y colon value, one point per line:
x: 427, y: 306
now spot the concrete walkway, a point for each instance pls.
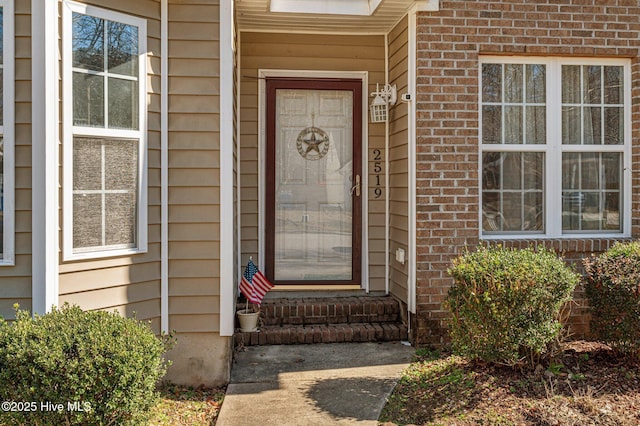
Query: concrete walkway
x: 306, y: 385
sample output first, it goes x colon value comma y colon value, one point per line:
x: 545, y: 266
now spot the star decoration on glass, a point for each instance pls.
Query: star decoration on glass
x: 313, y: 143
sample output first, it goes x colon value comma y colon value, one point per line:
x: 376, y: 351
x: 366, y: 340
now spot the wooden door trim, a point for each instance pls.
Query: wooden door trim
x: 272, y: 85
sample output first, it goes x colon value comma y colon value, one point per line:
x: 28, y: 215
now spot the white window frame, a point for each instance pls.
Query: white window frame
x: 7, y: 130
x: 70, y: 131
x: 554, y: 149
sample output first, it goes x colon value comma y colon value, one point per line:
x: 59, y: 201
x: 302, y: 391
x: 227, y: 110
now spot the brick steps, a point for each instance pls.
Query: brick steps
x: 290, y: 321
x: 333, y: 310
x: 325, y: 333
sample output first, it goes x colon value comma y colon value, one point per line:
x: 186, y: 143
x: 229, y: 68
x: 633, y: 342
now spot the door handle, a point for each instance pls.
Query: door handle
x: 356, y: 188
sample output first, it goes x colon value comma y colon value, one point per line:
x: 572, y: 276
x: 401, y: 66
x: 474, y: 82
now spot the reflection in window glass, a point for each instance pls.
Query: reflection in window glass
x: 513, y: 83
x: 588, y: 117
x: 536, y: 125
x: 536, y: 84
x: 592, y: 84
x: 123, y: 104
x: 512, y: 192
x: 591, y: 191
x: 491, y: 124
x: 491, y: 83
x: 96, y: 77
x: 613, y: 126
x: 88, y: 42
x: 513, y: 104
x: 613, y: 85
x: 123, y: 49
x: 88, y: 100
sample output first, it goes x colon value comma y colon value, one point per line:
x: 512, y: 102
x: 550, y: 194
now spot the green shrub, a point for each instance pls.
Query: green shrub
x: 612, y: 285
x: 103, y: 363
x: 505, y: 303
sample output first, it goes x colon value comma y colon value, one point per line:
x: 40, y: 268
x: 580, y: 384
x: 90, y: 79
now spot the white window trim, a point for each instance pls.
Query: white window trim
x: 553, y: 151
x: 69, y: 131
x: 8, y: 133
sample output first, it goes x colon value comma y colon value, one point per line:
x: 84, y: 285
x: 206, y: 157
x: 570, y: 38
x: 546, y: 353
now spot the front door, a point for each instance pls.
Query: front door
x: 313, y: 170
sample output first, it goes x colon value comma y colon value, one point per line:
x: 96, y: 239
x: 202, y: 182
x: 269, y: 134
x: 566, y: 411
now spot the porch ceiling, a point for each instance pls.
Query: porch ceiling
x: 255, y: 15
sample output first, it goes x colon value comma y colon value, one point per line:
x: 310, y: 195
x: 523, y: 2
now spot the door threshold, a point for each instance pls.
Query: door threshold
x: 317, y: 287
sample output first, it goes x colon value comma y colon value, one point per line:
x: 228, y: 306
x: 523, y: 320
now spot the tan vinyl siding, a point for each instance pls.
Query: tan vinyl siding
x: 305, y: 52
x: 194, y: 162
x: 128, y: 284
x: 398, y: 162
x: 15, y: 286
x: 117, y: 296
x: 133, y: 282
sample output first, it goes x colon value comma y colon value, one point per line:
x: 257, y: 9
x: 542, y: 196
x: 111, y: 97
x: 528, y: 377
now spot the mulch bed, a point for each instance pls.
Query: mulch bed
x: 586, y: 384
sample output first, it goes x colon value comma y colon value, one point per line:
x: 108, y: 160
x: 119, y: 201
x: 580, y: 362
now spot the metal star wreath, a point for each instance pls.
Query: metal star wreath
x: 313, y: 143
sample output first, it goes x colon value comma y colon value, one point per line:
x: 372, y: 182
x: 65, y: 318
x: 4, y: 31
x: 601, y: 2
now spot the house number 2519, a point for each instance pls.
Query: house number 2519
x: 377, y: 169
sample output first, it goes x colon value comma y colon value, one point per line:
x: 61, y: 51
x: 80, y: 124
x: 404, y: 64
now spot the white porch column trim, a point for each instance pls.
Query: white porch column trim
x: 238, y: 71
x: 164, y: 166
x: 45, y: 155
x: 227, y: 241
x: 412, y: 63
x: 387, y: 181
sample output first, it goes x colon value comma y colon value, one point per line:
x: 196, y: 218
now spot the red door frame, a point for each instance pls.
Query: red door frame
x: 355, y: 86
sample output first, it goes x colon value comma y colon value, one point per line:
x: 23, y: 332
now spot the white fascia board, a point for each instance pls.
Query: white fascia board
x: 227, y: 241
x: 425, y: 6
x: 373, y: 5
x: 326, y: 7
x: 45, y: 155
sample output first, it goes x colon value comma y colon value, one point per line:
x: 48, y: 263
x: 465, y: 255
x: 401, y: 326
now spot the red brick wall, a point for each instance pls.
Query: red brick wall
x: 449, y: 44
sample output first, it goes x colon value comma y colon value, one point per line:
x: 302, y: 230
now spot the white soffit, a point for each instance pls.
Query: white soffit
x: 325, y: 7
x: 326, y: 16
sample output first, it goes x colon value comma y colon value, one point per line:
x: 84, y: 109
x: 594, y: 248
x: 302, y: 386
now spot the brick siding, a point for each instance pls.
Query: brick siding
x: 449, y: 44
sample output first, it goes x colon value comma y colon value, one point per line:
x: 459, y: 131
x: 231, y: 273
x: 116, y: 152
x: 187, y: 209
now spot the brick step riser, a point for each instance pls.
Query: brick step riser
x: 338, y: 333
x: 319, y: 311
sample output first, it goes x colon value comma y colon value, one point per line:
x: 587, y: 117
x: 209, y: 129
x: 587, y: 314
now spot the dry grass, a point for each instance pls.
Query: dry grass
x: 184, y: 406
x: 585, y: 385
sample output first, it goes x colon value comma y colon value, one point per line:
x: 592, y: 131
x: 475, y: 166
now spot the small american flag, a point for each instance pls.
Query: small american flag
x: 254, y: 284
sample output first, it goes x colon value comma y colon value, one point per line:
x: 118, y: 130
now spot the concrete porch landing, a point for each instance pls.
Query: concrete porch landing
x: 320, y: 384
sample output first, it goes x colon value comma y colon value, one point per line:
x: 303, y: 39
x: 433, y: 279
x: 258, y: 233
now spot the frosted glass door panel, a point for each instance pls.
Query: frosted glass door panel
x: 313, y: 179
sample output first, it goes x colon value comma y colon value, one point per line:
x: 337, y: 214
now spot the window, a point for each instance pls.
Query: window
x: 105, y: 132
x: 555, y: 147
x: 7, y: 210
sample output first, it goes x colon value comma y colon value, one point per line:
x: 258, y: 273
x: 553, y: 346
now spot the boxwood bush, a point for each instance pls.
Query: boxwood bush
x: 612, y: 285
x: 505, y: 303
x: 104, y: 364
